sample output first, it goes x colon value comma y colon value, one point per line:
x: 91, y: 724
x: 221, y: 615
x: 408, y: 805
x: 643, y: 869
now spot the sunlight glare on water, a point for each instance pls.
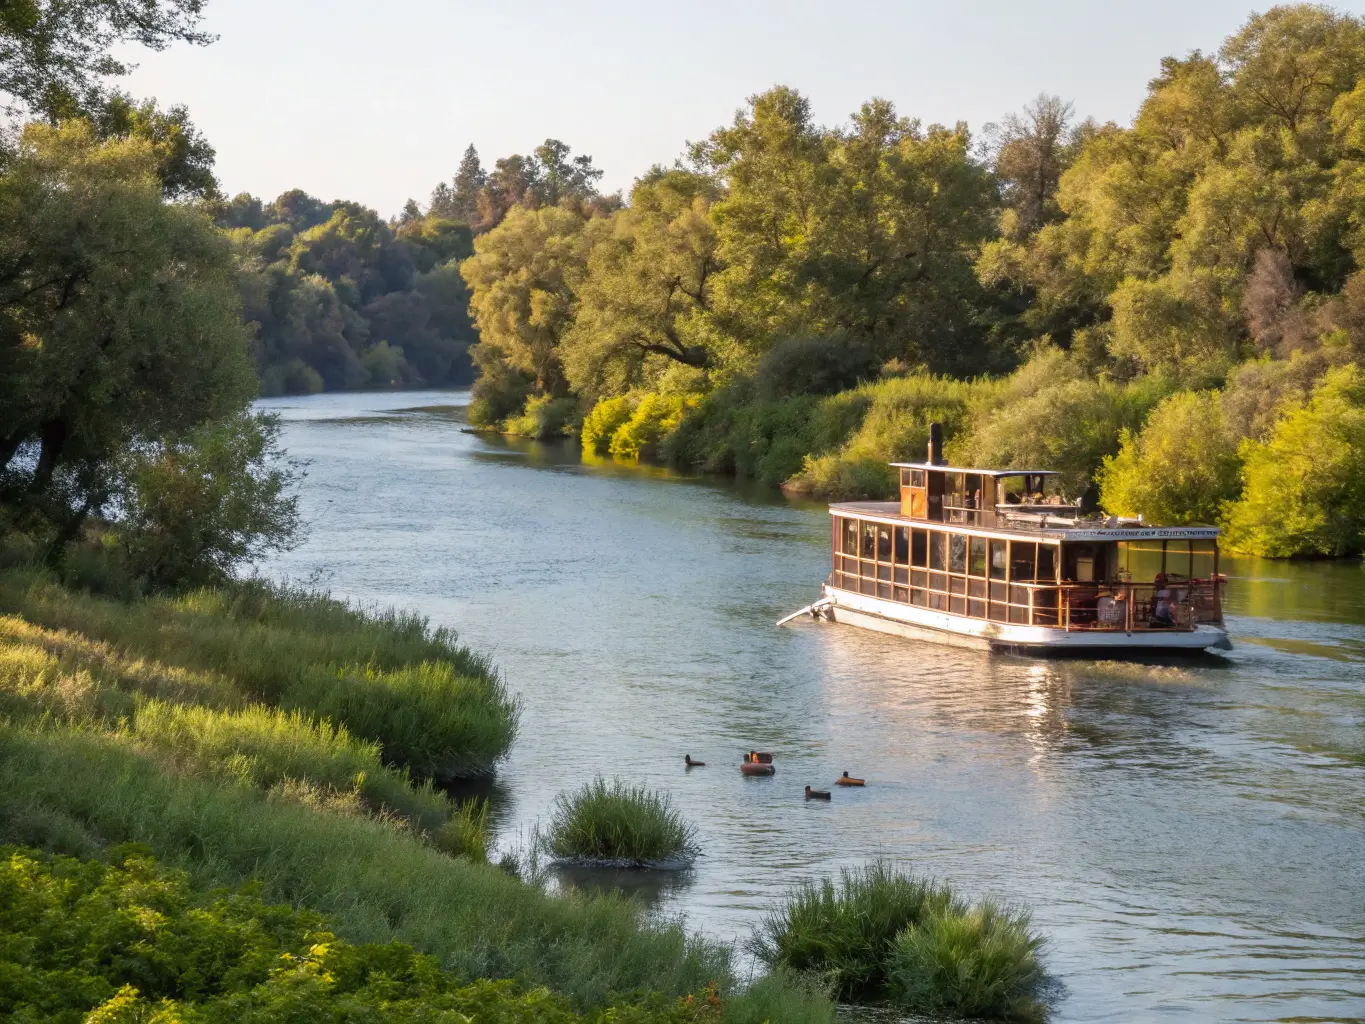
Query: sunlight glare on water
x: 1191, y: 837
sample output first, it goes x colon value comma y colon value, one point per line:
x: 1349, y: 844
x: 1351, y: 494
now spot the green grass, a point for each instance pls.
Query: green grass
x: 434, y: 707
x: 58, y: 679
x: 880, y: 933
x: 77, y: 792
x: 615, y: 822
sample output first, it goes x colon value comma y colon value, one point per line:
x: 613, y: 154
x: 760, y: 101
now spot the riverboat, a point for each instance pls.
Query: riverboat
x: 999, y: 559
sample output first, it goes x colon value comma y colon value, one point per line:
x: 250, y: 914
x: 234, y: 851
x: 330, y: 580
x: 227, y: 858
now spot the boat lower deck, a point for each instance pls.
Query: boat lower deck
x: 961, y: 631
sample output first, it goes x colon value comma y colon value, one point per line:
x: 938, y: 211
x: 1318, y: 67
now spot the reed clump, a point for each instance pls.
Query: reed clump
x: 613, y: 822
x: 881, y: 934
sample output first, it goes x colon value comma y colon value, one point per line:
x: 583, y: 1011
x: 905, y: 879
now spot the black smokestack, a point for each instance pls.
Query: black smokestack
x: 935, y: 444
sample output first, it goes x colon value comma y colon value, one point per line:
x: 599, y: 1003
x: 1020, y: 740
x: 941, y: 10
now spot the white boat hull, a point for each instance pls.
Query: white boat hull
x: 957, y: 630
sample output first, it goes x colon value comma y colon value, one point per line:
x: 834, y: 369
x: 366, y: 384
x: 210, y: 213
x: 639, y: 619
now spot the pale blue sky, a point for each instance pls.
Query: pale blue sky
x: 376, y: 101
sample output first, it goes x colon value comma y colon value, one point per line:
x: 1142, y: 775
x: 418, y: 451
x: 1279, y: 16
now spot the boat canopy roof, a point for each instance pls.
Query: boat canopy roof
x: 980, y: 472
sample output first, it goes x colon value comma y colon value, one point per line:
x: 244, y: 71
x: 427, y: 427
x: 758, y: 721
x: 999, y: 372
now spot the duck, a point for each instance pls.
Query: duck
x: 848, y: 780
x: 817, y: 794
x: 687, y: 760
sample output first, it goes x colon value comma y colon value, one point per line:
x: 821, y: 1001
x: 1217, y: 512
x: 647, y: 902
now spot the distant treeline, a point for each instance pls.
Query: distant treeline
x: 1172, y: 312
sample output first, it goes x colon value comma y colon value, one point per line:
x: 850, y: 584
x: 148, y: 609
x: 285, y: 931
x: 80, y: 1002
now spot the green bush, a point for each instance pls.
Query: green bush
x: 655, y: 417
x: 1179, y: 469
x: 131, y: 941
x: 882, y: 934
x: 606, y: 418
x: 615, y: 822
x: 499, y: 392
x: 466, y: 833
x: 544, y: 417
x: 1304, y: 490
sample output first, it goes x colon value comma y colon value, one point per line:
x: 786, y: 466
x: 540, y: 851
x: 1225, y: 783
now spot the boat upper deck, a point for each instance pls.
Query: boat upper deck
x: 1037, y: 521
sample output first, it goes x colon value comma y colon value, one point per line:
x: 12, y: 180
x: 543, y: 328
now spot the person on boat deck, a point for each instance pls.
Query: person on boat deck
x: 1161, y: 614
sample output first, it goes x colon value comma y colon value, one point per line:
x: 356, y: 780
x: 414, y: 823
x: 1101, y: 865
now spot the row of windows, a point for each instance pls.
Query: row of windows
x: 986, y: 558
x: 958, y: 595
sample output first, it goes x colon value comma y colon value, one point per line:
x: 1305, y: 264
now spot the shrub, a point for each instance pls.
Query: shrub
x: 844, y: 932
x: 544, y: 417
x: 881, y: 933
x: 814, y: 365
x: 1304, y: 488
x: 978, y: 962
x: 614, y: 822
x: 498, y: 393
x: 131, y: 941
x: 1179, y: 469
x: 606, y: 418
x: 654, y: 418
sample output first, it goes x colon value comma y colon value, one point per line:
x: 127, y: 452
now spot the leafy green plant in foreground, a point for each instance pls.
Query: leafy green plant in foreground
x: 880, y: 933
x: 615, y: 822
x: 131, y: 940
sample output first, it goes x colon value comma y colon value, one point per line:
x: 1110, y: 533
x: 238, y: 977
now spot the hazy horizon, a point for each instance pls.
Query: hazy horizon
x: 347, y: 101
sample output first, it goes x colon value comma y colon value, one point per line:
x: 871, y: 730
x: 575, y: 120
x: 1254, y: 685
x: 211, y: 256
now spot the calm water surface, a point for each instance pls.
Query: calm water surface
x: 1191, y: 837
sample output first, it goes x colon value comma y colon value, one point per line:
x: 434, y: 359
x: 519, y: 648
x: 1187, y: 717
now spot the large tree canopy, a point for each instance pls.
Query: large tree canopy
x: 52, y: 51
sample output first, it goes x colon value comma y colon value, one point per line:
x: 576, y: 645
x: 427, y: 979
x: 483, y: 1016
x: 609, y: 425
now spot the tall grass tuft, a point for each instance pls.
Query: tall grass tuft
x: 844, y: 931
x: 881, y: 933
x: 466, y: 833
x: 617, y: 823
x: 979, y: 962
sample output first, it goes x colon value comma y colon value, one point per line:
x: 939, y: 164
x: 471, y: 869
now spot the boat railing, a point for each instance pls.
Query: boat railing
x: 1114, y: 606
x: 1126, y: 607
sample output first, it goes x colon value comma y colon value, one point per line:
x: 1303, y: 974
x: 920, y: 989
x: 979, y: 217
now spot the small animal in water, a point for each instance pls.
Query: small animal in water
x: 847, y: 780
x: 687, y: 760
x: 817, y: 794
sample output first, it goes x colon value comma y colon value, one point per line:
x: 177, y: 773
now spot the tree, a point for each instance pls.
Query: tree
x: 647, y: 286
x: 1030, y: 152
x: 54, y: 50
x: 184, y: 156
x: 118, y: 317
x: 1179, y: 469
x: 1305, y: 484
x: 562, y: 178
x: 522, y: 278
x: 195, y: 507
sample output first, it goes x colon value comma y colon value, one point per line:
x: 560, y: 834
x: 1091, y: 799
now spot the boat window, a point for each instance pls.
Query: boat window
x: 1023, y: 560
x: 919, y: 548
x: 957, y: 553
x: 851, y: 537
x: 902, y: 545
x: 1085, y: 568
x: 1178, y: 558
x: 1142, y: 560
x: 883, y: 543
x: 870, y: 541
x: 973, y: 491
x: 916, y: 478
x: 999, y: 559
x: 905, y: 478
x: 978, y: 548
x: 1047, y: 563
x: 937, y: 560
x: 1204, y: 554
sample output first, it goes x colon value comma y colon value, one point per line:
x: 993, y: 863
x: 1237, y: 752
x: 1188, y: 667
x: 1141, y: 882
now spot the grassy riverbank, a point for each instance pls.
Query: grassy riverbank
x: 248, y: 733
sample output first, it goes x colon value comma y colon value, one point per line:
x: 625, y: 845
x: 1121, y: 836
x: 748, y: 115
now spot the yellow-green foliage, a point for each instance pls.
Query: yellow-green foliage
x: 433, y: 706
x: 544, y: 417
x: 1305, y: 484
x: 895, y: 428
x: 606, y: 418
x: 655, y: 417
x: 130, y: 941
x: 620, y: 823
x: 1179, y: 469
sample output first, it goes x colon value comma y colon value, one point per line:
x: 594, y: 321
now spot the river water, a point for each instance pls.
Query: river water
x: 1191, y: 837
